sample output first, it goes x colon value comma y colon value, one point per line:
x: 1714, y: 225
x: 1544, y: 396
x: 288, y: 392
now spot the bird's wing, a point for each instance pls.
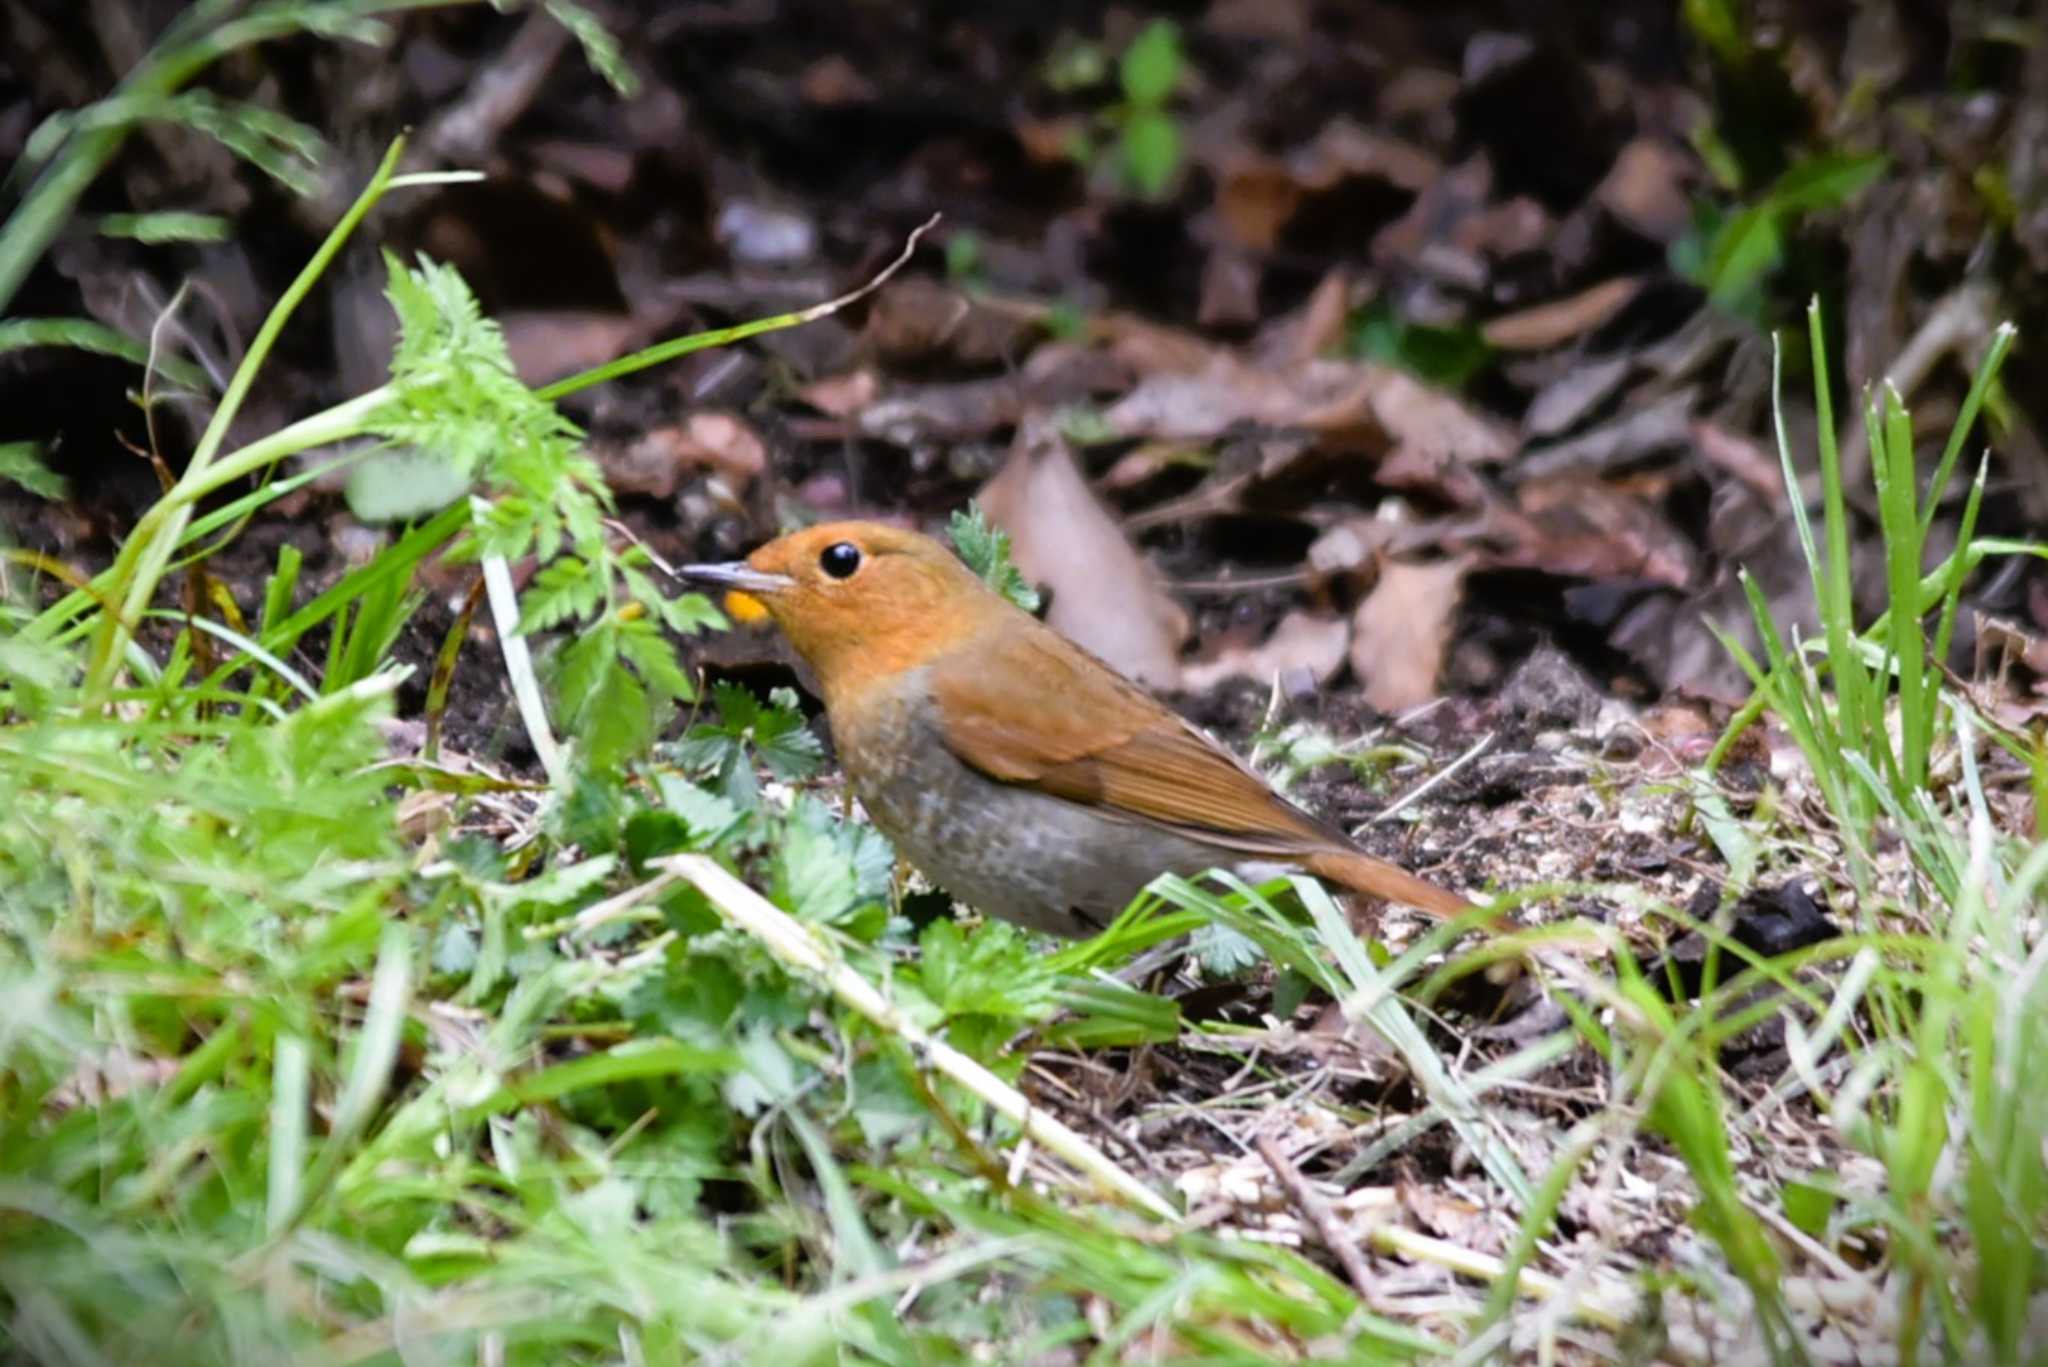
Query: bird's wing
x: 1032, y: 709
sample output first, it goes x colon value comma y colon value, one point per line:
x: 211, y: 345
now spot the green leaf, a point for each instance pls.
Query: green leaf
x: 1719, y: 25
x: 166, y: 226
x: 814, y: 878
x: 686, y: 613
x: 22, y: 462
x: 963, y: 256
x: 619, y: 720
x: 689, y: 613
x: 1149, y: 147
x: 708, y: 815
x: 1809, y: 1207
x: 458, y: 401
x: 86, y: 335
x: 986, y: 549
x: 565, y: 587
x: 600, y: 48
x: 768, y: 1074
x: 565, y: 886
x: 1224, y: 952
x: 1749, y: 244
x: 582, y: 665
x: 1151, y: 64
x: 1107, y: 1014
x: 784, y: 742
x: 745, y: 729
x: 993, y: 971
x: 1824, y: 182
x: 642, y: 644
x: 398, y: 486
x: 1748, y: 247
x: 1074, y: 64
x: 1446, y: 356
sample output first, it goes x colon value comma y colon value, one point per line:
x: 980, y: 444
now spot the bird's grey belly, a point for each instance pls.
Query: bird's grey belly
x: 1019, y: 854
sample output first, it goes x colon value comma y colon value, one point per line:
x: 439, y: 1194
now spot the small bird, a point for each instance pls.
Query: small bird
x: 1020, y: 773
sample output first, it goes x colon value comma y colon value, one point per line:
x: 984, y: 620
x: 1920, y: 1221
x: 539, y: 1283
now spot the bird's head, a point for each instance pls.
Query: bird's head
x: 859, y: 601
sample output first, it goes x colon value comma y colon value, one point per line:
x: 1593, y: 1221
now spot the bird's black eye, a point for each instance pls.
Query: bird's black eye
x: 840, y: 559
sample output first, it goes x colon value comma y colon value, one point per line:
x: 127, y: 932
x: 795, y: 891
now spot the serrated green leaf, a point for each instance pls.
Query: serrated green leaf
x: 641, y: 642
x: 582, y: 665
x: 992, y: 971
x: 786, y: 745
x: 565, y: 587
x: 737, y: 708
x: 619, y: 721
x: 706, y: 813
x: 814, y: 877
x: 768, y: 1074
x: 986, y: 549
x: 1224, y: 952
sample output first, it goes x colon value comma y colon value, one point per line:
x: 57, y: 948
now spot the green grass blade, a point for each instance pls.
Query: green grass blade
x: 2002, y: 339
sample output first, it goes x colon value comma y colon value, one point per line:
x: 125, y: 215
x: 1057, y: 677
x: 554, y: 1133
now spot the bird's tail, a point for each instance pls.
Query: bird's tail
x: 1388, y: 882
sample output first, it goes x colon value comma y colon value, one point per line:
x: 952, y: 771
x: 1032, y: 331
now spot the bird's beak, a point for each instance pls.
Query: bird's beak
x: 735, y: 574
x: 744, y: 586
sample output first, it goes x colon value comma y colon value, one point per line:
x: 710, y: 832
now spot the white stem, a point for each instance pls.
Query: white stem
x: 793, y: 943
x: 533, y: 709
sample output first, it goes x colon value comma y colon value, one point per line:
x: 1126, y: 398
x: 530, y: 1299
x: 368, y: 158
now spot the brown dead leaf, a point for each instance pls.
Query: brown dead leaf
x: 1150, y: 459
x: 1580, y: 526
x: 1255, y: 197
x: 916, y: 321
x: 1560, y: 320
x: 650, y: 464
x: 1320, y: 395
x: 1401, y: 630
x: 1350, y: 548
x: 1646, y: 189
x: 1426, y: 237
x: 725, y: 444
x: 1429, y: 424
x: 1057, y: 374
x: 1306, y: 649
x: 1628, y: 437
x: 549, y: 344
x: 1568, y: 400
x: 1104, y: 595
x: 1230, y: 289
x: 910, y: 414
x: 601, y: 165
x: 832, y: 81
x: 1282, y: 19
x: 1146, y: 347
x: 1741, y: 457
x: 1510, y: 227
x: 1049, y: 142
x: 1309, y: 331
x: 1344, y: 149
x: 653, y: 463
x: 1451, y: 1217
x: 842, y: 395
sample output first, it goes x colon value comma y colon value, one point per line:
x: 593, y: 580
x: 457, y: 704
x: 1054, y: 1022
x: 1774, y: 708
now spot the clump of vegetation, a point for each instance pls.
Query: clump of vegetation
x: 318, y: 1048
x: 296, y: 1070
x: 1137, y: 139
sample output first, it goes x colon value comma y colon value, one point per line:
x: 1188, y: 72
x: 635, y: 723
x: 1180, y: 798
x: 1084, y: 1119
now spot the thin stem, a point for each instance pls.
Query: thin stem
x: 140, y: 566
